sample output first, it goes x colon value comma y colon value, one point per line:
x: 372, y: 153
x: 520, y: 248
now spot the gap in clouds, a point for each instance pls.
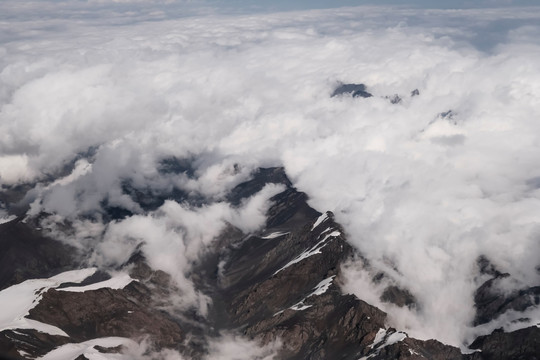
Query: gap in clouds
x: 420, y: 196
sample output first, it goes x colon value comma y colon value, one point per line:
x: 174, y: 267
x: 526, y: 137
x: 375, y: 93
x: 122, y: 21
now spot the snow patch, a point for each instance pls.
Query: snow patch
x: 323, y: 286
x: 300, y: 306
x: 394, y: 338
x: 24, y: 354
x: 7, y: 219
x: 326, y: 230
x: 119, y: 281
x: 17, y: 300
x: 384, y: 338
x: 378, y: 337
x: 319, y: 289
x: 320, y: 220
x: 314, y: 250
x: 275, y: 235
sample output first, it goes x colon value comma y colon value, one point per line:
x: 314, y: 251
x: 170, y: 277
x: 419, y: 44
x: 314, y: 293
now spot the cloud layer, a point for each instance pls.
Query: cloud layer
x: 421, y: 191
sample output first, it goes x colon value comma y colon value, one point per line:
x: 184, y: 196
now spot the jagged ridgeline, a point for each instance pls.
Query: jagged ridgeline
x: 278, y: 287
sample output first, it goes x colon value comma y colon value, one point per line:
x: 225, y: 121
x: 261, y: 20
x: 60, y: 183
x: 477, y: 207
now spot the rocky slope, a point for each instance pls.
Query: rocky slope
x: 281, y: 283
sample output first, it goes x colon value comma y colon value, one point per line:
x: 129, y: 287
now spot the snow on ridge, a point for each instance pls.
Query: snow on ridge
x: 275, y: 235
x: 7, y: 219
x: 118, y: 281
x: 319, y: 289
x: 300, y: 306
x: 384, y: 338
x: 314, y: 250
x: 394, y: 338
x: 16, y: 301
x: 320, y: 220
x: 378, y: 337
x: 74, y: 350
x: 25, y: 323
x: 326, y: 230
x: 323, y: 286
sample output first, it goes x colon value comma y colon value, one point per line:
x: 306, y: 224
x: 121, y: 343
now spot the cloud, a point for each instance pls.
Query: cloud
x: 229, y: 346
x: 172, y: 238
x: 420, y: 194
x: 14, y: 169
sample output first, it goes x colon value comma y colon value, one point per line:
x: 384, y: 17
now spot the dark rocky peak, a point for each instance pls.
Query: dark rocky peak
x: 355, y: 90
x: 401, y: 297
x: 450, y: 116
x: 415, y: 92
x: 26, y: 253
x: 492, y: 301
x: 523, y: 344
x: 394, y: 99
x: 486, y: 267
x: 260, y: 178
x: 175, y: 165
x: 393, y: 293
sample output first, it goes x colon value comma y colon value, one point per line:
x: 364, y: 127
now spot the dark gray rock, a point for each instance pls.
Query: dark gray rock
x: 107, y: 312
x: 394, y: 99
x: 523, y: 344
x: 355, y: 90
x: 413, y: 349
x: 491, y: 302
x: 32, y: 342
x: 26, y: 253
x: 259, y: 179
x: 398, y: 296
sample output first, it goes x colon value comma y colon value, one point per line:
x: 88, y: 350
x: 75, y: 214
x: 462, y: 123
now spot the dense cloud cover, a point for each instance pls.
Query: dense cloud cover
x: 423, y: 187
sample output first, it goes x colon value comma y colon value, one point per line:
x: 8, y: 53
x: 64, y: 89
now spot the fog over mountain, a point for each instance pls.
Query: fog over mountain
x: 106, y: 109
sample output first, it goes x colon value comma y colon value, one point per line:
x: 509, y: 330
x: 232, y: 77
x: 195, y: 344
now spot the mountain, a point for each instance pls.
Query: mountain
x: 278, y: 287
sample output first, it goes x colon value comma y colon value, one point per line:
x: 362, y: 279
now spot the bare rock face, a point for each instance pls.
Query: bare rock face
x: 491, y: 302
x: 397, y: 296
x: 15, y: 343
x: 26, y: 253
x: 520, y: 345
x: 107, y: 312
x: 412, y: 349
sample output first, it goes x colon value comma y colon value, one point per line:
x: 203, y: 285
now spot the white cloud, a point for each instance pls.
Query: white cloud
x: 173, y: 238
x: 15, y: 169
x: 415, y: 192
x: 229, y: 346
